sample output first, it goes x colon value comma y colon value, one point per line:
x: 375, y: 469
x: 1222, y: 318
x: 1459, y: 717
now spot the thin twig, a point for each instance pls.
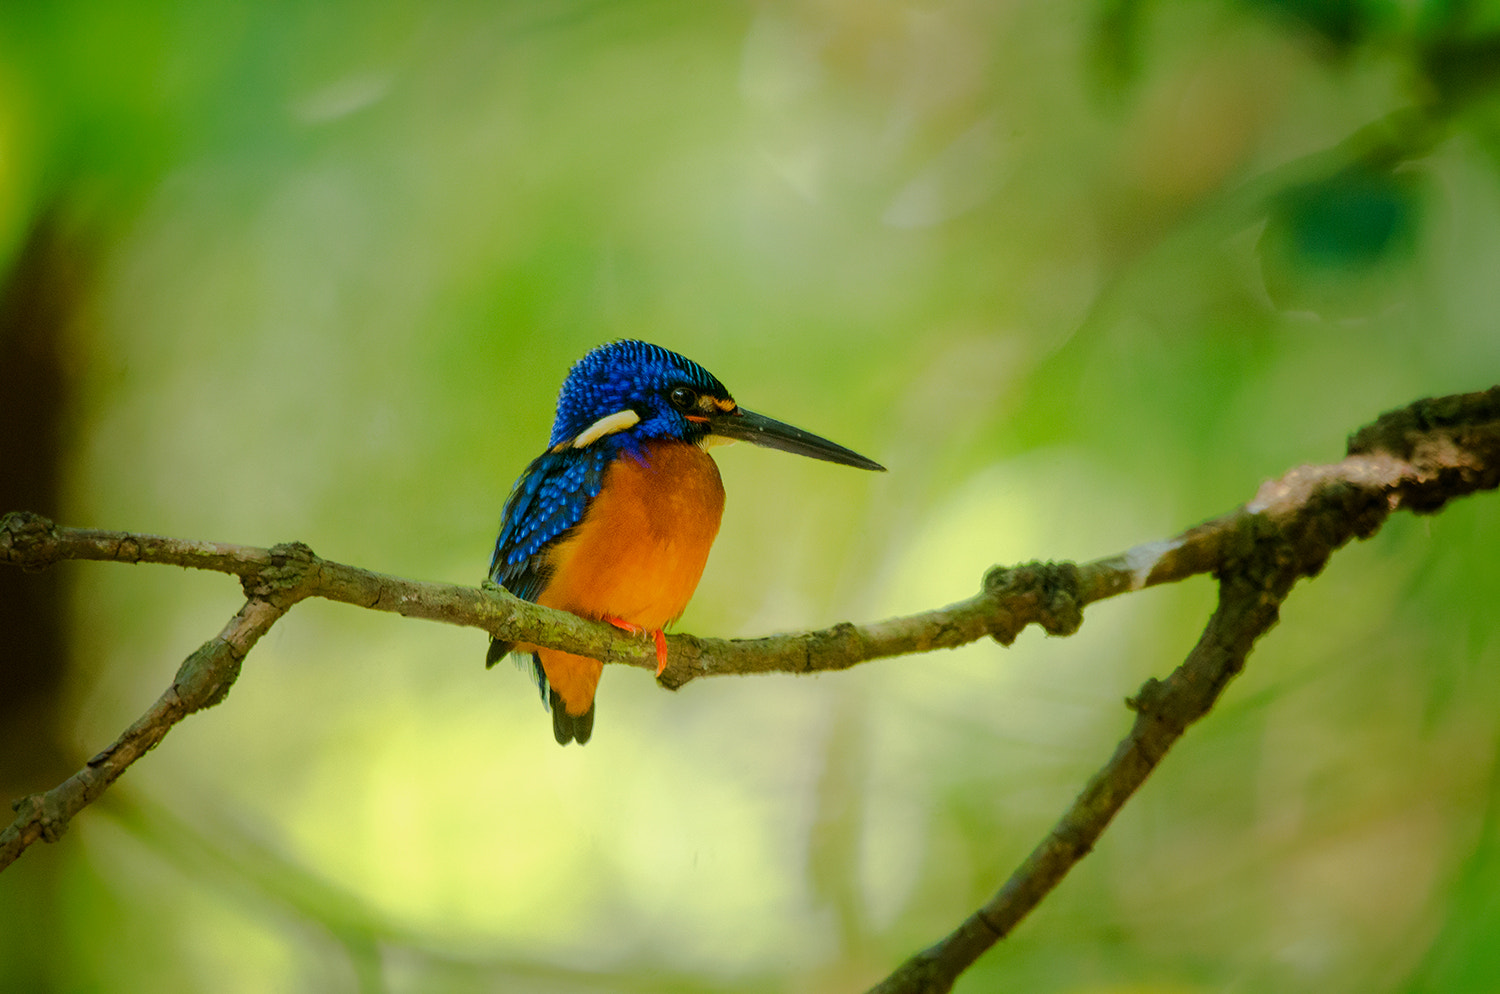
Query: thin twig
x: 202, y: 681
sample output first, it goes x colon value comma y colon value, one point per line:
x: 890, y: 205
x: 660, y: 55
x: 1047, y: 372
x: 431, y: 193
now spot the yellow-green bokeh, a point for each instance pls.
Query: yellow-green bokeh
x: 1067, y: 269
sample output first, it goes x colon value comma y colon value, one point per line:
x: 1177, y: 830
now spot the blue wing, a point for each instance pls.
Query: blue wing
x: 548, y: 502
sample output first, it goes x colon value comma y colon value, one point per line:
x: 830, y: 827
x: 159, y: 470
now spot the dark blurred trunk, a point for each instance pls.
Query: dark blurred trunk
x: 39, y: 301
x: 37, y: 304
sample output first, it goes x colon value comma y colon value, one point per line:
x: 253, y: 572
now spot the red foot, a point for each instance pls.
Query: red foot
x: 658, y: 635
x: 623, y: 625
x: 661, y: 651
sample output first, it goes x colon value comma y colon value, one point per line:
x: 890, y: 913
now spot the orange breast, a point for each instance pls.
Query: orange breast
x: 637, y: 555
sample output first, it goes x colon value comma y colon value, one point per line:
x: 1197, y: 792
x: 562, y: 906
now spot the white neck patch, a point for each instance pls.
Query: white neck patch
x: 608, y: 425
x: 706, y: 442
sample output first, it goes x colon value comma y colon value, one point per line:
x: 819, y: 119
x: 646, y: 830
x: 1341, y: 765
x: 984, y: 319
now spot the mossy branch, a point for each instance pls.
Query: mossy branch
x: 1413, y: 459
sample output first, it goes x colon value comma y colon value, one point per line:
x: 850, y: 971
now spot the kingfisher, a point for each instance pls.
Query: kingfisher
x: 614, y: 521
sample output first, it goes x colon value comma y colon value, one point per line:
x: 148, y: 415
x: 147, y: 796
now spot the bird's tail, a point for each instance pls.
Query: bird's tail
x: 570, y: 727
x: 497, y: 652
x: 565, y: 727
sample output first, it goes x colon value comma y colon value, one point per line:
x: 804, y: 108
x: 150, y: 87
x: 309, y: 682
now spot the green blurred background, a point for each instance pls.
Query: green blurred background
x: 1080, y: 274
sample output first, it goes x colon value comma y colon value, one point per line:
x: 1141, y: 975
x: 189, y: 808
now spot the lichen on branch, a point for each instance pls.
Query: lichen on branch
x: 1415, y: 459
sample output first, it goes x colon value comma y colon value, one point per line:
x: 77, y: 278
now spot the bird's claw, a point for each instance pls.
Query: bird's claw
x: 659, y: 636
x: 661, y: 651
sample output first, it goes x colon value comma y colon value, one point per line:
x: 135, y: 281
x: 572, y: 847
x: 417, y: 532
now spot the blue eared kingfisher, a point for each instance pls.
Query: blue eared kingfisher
x: 614, y: 521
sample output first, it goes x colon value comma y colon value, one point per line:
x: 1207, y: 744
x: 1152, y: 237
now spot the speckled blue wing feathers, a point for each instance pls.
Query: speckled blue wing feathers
x: 548, y: 502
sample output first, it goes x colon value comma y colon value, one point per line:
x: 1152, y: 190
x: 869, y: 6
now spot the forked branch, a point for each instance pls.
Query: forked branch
x: 1414, y: 459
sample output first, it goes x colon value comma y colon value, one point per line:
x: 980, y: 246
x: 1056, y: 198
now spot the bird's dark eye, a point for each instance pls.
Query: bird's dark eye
x: 683, y: 398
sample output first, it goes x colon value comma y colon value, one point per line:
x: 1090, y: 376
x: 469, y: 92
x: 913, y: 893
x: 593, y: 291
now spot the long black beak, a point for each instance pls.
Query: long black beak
x: 757, y: 429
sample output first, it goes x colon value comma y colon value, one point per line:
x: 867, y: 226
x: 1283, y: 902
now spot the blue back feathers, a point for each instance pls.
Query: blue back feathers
x: 548, y: 500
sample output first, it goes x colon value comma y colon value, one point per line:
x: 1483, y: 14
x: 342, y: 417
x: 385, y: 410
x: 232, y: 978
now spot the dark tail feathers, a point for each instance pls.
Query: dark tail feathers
x: 569, y: 727
x: 565, y: 727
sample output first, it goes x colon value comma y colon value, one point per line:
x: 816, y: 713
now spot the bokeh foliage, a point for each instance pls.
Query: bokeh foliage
x: 1081, y: 274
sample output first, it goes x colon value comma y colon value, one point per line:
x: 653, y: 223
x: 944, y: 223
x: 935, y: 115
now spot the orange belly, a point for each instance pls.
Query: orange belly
x: 637, y: 555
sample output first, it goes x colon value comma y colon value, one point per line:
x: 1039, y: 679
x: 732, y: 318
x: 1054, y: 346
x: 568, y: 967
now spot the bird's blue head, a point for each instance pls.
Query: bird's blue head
x: 637, y: 391
x: 625, y: 393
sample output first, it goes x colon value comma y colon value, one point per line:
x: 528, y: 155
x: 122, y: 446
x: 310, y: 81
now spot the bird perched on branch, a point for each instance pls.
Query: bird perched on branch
x: 614, y: 521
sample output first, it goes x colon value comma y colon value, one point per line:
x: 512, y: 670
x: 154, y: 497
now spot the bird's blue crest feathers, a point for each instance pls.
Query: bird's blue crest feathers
x: 629, y: 375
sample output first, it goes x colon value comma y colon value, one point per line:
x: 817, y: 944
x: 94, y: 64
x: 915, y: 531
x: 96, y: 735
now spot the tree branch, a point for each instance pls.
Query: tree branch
x: 1414, y: 459
x: 202, y: 681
